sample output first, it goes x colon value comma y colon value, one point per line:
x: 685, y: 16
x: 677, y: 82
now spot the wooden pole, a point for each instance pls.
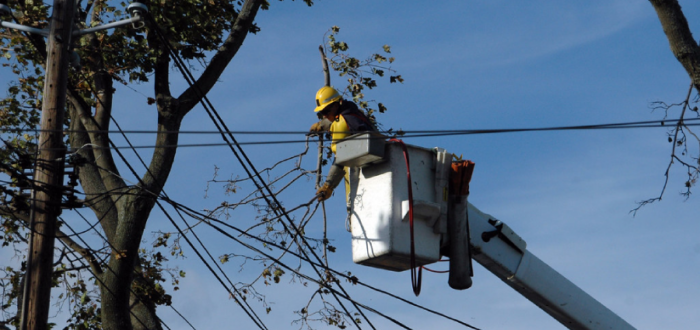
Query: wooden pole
x: 48, y: 171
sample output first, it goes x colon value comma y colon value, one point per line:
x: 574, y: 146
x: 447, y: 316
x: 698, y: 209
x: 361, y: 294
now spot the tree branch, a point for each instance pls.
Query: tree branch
x: 91, y: 180
x: 172, y: 111
x: 326, y: 72
x: 85, y: 253
x: 677, y: 129
x: 218, y: 63
x: 103, y: 98
x: 73, y: 245
x: 102, y: 154
x: 683, y: 46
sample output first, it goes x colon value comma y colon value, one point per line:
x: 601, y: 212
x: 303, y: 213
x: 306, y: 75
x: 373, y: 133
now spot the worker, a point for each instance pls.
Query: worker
x: 344, y: 119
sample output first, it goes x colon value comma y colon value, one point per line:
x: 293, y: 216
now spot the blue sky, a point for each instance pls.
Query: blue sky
x: 469, y: 65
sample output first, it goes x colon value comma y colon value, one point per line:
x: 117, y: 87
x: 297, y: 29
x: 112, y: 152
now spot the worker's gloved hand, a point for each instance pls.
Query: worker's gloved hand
x: 324, y: 192
x: 315, y: 129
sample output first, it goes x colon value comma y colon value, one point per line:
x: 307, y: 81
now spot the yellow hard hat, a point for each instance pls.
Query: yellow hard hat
x: 325, y: 96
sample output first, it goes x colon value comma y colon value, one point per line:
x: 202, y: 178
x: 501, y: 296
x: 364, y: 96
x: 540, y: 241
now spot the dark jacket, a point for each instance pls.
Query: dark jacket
x: 356, y: 119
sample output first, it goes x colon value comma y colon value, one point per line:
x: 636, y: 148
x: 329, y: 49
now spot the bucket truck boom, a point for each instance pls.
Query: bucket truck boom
x: 495, y: 246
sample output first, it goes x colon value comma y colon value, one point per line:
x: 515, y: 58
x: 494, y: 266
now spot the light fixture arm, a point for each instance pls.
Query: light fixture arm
x: 108, y: 26
x: 29, y: 29
x: 136, y: 9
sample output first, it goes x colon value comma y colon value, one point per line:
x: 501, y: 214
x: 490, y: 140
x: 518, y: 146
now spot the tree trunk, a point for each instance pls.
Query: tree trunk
x: 134, y: 209
x: 143, y: 310
x: 143, y: 315
x: 124, y: 210
x: 683, y: 46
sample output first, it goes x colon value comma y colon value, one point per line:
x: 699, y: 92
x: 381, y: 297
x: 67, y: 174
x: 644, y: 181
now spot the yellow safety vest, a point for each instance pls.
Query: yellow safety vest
x: 339, y: 131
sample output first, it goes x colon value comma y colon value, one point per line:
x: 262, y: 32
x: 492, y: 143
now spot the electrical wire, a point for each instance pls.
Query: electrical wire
x: 128, y: 165
x: 345, y: 296
x: 416, y: 133
x: 251, y: 314
x: 433, y: 132
x: 141, y: 182
x: 92, y: 227
x: 102, y: 284
x: 249, y: 310
x: 221, y: 126
x: 319, y: 282
x: 208, y: 220
x: 181, y: 231
x: 308, y: 260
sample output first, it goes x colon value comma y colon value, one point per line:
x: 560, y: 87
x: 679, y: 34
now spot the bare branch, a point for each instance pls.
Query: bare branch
x: 677, y: 130
x: 220, y: 60
x: 324, y: 61
x: 73, y: 245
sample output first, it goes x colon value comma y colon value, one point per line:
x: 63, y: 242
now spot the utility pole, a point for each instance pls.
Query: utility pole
x: 48, y: 172
x: 49, y: 167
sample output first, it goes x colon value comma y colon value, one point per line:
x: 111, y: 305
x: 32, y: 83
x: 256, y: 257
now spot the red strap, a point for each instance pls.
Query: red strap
x: 416, y: 275
x: 435, y: 271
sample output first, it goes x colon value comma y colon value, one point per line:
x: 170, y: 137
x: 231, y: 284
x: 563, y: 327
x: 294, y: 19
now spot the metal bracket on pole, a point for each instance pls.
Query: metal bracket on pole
x: 136, y: 10
x: 9, y: 25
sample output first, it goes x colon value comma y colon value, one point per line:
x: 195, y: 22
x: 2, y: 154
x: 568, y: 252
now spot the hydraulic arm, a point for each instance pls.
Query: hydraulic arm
x: 496, y: 247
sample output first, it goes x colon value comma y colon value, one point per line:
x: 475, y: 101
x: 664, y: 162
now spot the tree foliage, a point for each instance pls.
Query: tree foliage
x: 360, y: 74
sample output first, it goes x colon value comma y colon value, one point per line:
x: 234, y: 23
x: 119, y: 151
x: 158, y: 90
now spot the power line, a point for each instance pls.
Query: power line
x: 319, y: 282
x: 189, y: 211
x: 87, y: 246
x: 416, y: 133
x: 141, y: 182
x: 208, y: 220
x: 254, y: 316
x: 412, y: 134
x: 221, y: 126
x: 431, y: 133
x: 135, y: 174
x: 249, y: 310
x: 92, y: 227
x: 288, y: 251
